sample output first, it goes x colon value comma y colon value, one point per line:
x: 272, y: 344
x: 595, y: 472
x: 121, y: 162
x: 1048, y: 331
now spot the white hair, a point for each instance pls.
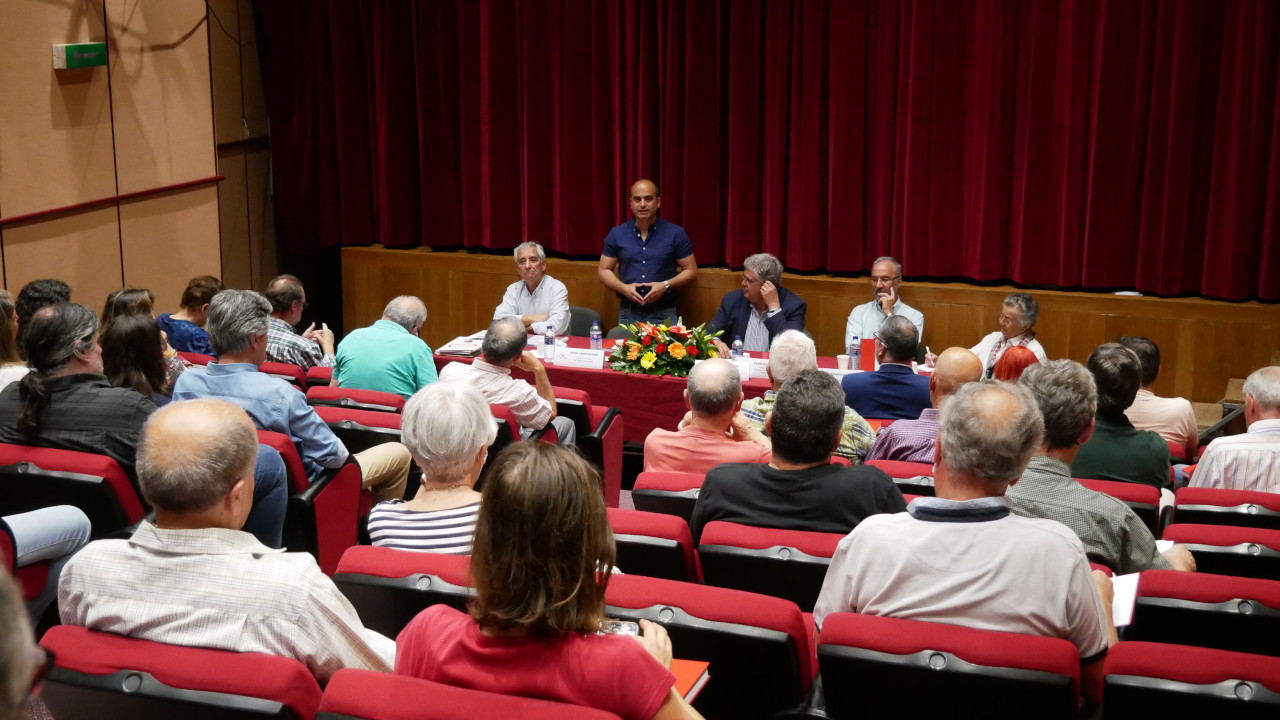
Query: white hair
x: 407, y: 311
x: 791, y: 352
x: 1264, y: 385
x: 445, y: 424
x: 542, y: 254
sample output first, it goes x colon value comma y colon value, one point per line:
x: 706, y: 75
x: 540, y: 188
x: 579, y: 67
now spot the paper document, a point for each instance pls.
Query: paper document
x: 1125, y: 589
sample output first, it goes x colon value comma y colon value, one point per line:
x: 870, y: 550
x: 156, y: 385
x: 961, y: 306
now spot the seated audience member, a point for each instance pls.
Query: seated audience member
x: 35, y: 295
x: 1250, y: 461
x: 22, y: 662
x: 185, y: 328
x: 865, y: 319
x: 133, y: 357
x: 502, y: 349
x: 51, y: 534
x: 1172, y: 418
x: 132, y: 301
x: 238, y: 327
x: 536, y: 299
x: 1018, y: 315
x: 913, y: 440
x: 800, y: 488
x: 716, y: 432
x: 538, y: 634
x: 791, y: 352
x: 961, y: 558
x: 894, y: 391
x: 388, y: 355
x: 1012, y: 363
x: 1111, y: 532
x: 12, y: 366
x: 448, y: 430
x: 313, y: 348
x: 760, y: 310
x: 1117, y: 450
x: 193, y: 578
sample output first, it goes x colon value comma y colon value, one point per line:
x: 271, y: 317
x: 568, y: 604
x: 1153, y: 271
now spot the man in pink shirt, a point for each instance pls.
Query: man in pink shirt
x: 715, y: 432
x: 1172, y: 418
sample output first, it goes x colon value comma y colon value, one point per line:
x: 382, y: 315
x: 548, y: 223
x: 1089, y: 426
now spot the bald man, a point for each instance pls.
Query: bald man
x: 913, y: 440
x: 652, y: 256
x: 194, y: 578
x: 715, y: 433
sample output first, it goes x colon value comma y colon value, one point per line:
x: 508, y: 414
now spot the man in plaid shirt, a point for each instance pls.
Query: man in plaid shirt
x: 913, y: 440
x: 313, y: 348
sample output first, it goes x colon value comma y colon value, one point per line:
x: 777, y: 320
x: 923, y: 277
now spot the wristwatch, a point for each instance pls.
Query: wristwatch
x: 667, y: 284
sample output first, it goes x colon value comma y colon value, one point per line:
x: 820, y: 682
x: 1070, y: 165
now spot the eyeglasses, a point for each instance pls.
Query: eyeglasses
x: 1009, y: 320
x: 884, y: 280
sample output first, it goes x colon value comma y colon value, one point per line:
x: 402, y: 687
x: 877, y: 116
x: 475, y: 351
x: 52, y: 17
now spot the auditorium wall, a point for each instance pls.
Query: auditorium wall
x: 1203, y: 342
x: 109, y: 175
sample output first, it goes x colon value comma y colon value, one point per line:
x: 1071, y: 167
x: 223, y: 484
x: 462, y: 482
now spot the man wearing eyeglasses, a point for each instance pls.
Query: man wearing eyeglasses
x: 761, y: 310
x: 312, y: 348
x: 865, y: 320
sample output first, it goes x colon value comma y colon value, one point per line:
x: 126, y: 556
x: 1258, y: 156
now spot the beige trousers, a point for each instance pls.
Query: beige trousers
x: 385, y: 470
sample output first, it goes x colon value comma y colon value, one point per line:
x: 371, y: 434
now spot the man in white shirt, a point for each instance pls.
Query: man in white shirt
x: 1250, y: 461
x: 865, y: 320
x: 536, y: 299
x: 1172, y: 418
x: 193, y: 578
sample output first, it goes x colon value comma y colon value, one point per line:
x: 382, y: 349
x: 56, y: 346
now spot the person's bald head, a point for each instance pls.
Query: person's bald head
x: 192, y: 454
x: 955, y: 367
x: 714, y: 389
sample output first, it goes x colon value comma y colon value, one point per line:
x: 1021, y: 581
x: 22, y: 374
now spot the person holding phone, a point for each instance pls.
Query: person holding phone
x: 541, y: 561
x: 760, y: 310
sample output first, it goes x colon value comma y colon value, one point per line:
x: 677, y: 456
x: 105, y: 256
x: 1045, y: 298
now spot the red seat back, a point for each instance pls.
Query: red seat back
x: 389, y: 587
x: 667, y: 492
x: 1214, y: 506
x: 1144, y: 500
x: 290, y: 373
x: 36, y: 477
x: 282, y: 444
x: 32, y: 578
x: 903, y: 474
x: 654, y: 545
x: 1219, y: 611
x: 196, y: 358
x: 789, y: 564
x: 1146, y: 679
x: 357, y: 399
x: 1230, y: 550
x: 319, y: 376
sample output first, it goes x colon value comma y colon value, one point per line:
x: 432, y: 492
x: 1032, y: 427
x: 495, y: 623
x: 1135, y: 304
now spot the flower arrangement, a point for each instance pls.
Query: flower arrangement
x: 662, y: 350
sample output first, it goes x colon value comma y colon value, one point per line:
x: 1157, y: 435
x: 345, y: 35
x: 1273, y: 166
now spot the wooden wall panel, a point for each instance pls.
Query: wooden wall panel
x: 168, y: 239
x: 262, y: 230
x: 233, y: 213
x: 224, y: 55
x: 82, y: 249
x: 55, y: 126
x: 1203, y: 342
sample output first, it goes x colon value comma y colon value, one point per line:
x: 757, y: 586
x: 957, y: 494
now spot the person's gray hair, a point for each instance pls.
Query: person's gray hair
x: 235, y: 316
x: 899, y: 337
x: 709, y: 397
x: 1067, y: 397
x: 542, y: 254
x: 197, y: 473
x: 766, y: 267
x: 503, y: 341
x: 897, y: 266
x: 16, y: 648
x: 407, y: 311
x: 791, y: 352
x: 978, y: 438
x: 445, y: 424
x: 1264, y: 385
x: 1027, y: 307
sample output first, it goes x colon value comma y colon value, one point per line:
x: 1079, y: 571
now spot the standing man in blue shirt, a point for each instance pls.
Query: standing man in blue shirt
x: 653, y: 257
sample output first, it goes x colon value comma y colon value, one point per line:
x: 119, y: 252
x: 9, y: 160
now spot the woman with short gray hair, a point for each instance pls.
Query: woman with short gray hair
x: 1018, y: 315
x: 448, y: 429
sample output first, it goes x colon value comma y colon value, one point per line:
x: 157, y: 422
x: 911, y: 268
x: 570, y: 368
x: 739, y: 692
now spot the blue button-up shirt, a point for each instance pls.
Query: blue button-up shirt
x: 647, y: 261
x: 272, y: 404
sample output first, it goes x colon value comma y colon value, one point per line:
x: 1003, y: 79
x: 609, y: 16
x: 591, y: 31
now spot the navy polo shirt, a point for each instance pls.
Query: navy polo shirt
x: 651, y: 261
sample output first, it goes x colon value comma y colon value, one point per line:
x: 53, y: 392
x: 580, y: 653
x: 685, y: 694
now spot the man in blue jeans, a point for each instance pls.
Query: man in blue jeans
x: 653, y: 257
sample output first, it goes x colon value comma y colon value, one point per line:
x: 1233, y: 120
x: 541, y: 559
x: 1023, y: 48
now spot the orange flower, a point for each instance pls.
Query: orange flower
x: 634, y: 352
x: 676, y: 350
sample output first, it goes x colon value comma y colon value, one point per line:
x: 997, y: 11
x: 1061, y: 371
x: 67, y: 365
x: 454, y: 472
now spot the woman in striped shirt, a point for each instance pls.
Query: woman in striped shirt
x: 448, y: 430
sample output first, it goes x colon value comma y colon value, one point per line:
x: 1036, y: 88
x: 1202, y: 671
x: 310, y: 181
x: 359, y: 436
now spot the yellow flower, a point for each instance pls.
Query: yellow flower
x: 711, y: 353
x: 647, y: 361
x: 676, y: 350
x: 634, y: 352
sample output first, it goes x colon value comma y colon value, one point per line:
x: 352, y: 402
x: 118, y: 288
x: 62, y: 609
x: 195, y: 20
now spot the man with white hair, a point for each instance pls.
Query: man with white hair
x: 865, y: 319
x: 791, y: 352
x: 962, y: 558
x: 536, y: 299
x: 388, y: 355
x: 1250, y: 461
x: 191, y: 577
x: 716, y: 432
x: 760, y: 310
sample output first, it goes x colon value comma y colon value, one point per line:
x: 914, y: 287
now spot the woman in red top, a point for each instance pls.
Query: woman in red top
x: 541, y: 560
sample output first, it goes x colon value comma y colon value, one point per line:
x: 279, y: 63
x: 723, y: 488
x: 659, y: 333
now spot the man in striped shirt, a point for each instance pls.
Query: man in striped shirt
x: 1250, y: 461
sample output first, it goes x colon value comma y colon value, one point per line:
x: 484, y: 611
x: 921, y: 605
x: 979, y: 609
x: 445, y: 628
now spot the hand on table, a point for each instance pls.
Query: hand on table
x: 721, y: 348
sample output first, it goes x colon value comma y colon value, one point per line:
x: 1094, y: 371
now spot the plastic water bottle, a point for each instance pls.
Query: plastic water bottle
x: 855, y: 352
x: 735, y: 350
x: 597, y: 337
x: 549, y: 338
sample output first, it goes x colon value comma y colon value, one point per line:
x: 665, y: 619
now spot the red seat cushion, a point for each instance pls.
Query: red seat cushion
x: 1195, y: 665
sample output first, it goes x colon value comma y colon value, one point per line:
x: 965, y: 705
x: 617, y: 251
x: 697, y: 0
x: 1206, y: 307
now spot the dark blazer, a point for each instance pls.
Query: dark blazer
x: 735, y: 312
x: 892, y: 392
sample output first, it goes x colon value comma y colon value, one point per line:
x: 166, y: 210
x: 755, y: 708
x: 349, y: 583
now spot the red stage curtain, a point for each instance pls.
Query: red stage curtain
x: 1074, y: 143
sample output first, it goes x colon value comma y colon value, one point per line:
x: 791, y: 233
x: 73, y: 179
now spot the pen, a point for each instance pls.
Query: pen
x: 927, y: 350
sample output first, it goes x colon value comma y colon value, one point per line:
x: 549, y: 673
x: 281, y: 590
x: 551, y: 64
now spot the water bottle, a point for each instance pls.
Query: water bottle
x: 549, y: 338
x: 597, y: 337
x: 735, y: 350
x: 855, y: 352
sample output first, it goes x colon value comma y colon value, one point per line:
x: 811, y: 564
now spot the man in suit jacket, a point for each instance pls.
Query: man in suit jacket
x: 895, y: 390
x: 759, y: 311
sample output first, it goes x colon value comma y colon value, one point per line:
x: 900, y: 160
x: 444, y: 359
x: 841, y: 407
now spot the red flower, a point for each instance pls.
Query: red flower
x: 691, y: 350
x: 660, y: 349
x: 646, y: 340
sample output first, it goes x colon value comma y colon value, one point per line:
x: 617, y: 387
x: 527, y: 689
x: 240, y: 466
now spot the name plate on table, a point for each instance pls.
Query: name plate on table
x: 837, y: 372
x: 758, y: 366
x: 584, y: 358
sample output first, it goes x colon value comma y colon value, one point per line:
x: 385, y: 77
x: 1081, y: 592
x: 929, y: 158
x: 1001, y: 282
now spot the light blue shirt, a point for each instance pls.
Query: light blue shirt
x: 550, y: 297
x: 867, y: 317
x: 386, y: 357
x: 272, y: 404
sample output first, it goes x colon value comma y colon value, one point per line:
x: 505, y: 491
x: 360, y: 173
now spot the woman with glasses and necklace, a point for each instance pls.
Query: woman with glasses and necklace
x: 1018, y: 315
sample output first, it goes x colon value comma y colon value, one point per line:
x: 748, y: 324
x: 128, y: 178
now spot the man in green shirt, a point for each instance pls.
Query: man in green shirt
x: 1118, y: 450
x: 388, y: 355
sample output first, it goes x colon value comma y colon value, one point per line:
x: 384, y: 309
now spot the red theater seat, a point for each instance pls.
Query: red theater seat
x: 789, y: 564
x: 291, y: 374
x: 904, y: 474
x: 324, y: 395
x: 1228, y: 550
x: 1217, y: 611
x: 319, y: 376
x: 667, y: 492
x: 32, y: 578
x: 600, y: 432
x: 197, y: 358
x: 1144, y: 500
x: 1211, y: 506
x: 35, y: 477
x: 389, y: 587
x: 654, y: 545
x: 1146, y: 679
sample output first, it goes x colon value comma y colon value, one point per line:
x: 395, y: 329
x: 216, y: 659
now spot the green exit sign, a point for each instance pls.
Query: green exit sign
x: 78, y: 55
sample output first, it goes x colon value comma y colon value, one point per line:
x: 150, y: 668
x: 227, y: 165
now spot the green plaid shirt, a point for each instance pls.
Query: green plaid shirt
x: 856, y: 436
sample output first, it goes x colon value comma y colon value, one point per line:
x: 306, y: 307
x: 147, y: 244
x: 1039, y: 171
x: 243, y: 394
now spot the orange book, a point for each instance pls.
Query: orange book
x: 691, y: 675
